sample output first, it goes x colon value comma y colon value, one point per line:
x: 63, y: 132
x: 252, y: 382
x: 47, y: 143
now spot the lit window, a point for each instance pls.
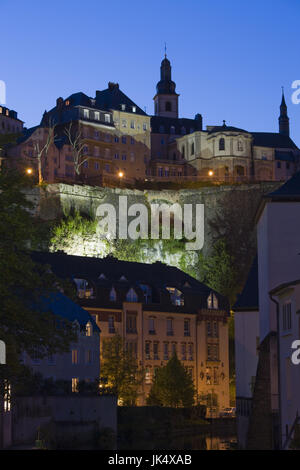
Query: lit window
x: 134, y: 109
x: 97, y: 115
x: 107, y: 118
x: 212, y: 301
x: 89, y: 329
x: 67, y: 103
x: 75, y: 382
x: 123, y: 107
x: 176, y: 296
x: 147, y: 376
x: 86, y: 113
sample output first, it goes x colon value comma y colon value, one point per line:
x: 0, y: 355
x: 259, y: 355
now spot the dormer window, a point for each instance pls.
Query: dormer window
x: 123, y: 278
x: 107, y: 118
x: 84, y: 289
x: 147, y: 291
x: 67, y: 103
x: 134, y: 109
x: 176, y: 296
x: 212, y: 301
x: 102, y: 276
x: 86, y: 113
x: 97, y: 116
x: 131, y: 296
x: 113, y: 295
x: 89, y: 329
x: 123, y: 107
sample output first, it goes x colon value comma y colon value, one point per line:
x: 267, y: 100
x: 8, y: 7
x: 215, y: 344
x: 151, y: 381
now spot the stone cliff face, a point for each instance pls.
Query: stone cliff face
x: 56, y: 201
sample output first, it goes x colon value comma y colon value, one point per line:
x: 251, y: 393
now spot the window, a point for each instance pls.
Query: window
x: 106, y: 117
x: 212, y: 301
x: 161, y: 129
x: 151, y: 323
x: 86, y: 113
x: 192, y: 148
x: 147, y: 376
x: 88, y: 357
x: 132, y: 141
x: 147, y: 349
x: 96, y: 165
x: 208, y: 329
x: 215, y: 329
x: 134, y: 109
x: 131, y: 296
x: 190, y: 351
x: 124, y: 123
x: 155, y: 351
x: 170, y: 331
x: 132, y: 124
x: 67, y: 102
x: 113, y: 295
x: 174, y: 348
x: 97, y: 116
x: 35, y: 357
x: 131, y: 323
x: 187, y: 325
x: 124, y: 156
x: 166, y: 351
x: 222, y: 144
x: 176, y: 296
x: 123, y: 139
x: 116, y: 139
x: 75, y: 382
x: 168, y: 106
x: 160, y: 171
x: 212, y: 352
x: 240, y: 146
x: 172, y: 130
x: 116, y: 156
x: 183, y: 351
x: 107, y: 168
x: 216, y: 377
x: 147, y: 291
x: 287, y: 316
x: 144, y: 126
x: 111, y: 324
x: 75, y: 356
x: 183, y: 151
x: 89, y: 329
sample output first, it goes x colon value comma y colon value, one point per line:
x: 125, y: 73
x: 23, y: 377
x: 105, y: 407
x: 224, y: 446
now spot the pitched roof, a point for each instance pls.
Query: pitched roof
x: 288, y: 191
x: 113, y: 98
x: 62, y: 306
x: 226, y: 129
x: 157, y: 275
x: 248, y: 299
x: 273, y: 140
x: 190, y: 125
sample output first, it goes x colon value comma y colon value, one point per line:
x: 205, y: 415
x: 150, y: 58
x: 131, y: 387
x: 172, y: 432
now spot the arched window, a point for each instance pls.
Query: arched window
x: 168, y: 106
x: 113, y: 295
x: 131, y: 296
x: 222, y: 144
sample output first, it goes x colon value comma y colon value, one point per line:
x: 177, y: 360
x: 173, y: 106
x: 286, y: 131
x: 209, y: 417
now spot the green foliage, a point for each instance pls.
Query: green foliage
x: 172, y: 386
x: 72, y: 224
x: 120, y: 370
x: 219, y: 271
x: 22, y: 282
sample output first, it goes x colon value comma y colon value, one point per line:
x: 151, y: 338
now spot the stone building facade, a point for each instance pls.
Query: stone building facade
x: 157, y: 310
x: 9, y: 122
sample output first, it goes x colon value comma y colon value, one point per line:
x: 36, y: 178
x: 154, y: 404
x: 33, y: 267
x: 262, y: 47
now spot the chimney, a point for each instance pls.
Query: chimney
x: 112, y: 85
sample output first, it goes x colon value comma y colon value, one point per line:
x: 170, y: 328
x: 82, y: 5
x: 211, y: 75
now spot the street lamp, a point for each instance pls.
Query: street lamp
x: 29, y: 171
x: 120, y: 174
x: 210, y: 173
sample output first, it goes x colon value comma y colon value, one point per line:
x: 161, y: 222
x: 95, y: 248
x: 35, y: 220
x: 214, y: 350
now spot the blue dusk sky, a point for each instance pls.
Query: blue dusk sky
x: 229, y: 58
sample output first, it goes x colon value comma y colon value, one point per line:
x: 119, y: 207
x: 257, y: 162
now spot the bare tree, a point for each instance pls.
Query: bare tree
x: 41, y: 148
x: 75, y: 139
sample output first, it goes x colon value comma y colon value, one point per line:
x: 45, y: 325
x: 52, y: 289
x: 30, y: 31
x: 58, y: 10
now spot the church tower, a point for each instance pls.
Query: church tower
x: 166, y: 99
x: 284, y: 126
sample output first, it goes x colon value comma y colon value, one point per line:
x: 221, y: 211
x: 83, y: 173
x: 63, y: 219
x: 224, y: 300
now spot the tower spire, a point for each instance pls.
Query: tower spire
x: 284, y: 126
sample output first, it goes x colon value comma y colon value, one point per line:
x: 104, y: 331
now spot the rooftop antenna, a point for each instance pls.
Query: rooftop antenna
x: 165, y: 50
